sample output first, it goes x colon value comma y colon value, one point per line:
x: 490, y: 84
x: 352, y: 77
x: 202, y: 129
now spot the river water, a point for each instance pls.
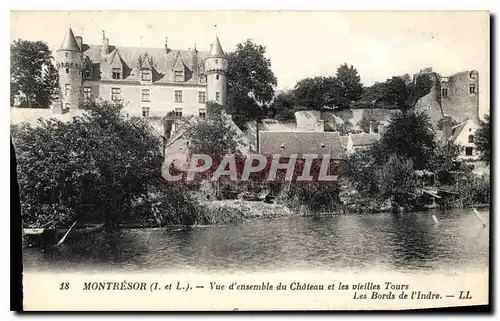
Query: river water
x: 402, y: 243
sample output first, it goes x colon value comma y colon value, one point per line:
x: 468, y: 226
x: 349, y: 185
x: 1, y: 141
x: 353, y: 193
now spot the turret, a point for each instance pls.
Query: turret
x: 69, y: 65
x: 215, y: 69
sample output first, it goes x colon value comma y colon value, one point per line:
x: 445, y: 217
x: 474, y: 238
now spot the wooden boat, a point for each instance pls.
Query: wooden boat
x: 50, y: 236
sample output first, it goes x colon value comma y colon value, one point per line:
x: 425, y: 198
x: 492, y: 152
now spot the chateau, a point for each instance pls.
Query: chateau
x: 148, y: 82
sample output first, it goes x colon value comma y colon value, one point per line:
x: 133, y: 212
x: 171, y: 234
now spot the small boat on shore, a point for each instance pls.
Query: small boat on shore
x: 50, y: 236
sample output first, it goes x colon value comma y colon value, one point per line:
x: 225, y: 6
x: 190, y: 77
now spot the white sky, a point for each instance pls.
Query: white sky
x: 299, y: 43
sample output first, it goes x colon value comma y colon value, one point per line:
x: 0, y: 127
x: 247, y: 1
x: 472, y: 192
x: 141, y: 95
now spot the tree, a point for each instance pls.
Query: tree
x: 446, y: 165
x: 32, y: 73
x: 283, y: 107
x: 483, y: 139
x: 214, y: 135
x: 310, y: 92
x: 397, y: 181
x: 446, y: 120
x: 93, y: 168
x: 409, y: 134
x: 250, y: 82
x: 347, y: 87
x: 400, y: 92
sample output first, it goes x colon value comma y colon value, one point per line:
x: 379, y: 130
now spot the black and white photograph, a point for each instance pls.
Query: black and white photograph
x: 252, y: 160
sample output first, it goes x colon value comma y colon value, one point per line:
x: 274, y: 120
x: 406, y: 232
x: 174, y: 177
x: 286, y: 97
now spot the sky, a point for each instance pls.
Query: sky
x: 300, y: 44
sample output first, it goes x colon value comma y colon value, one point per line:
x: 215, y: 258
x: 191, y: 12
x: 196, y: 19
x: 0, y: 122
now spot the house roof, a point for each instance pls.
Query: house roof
x: 364, y: 139
x: 456, y: 130
x: 344, y: 140
x: 161, y: 61
x: 216, y: 50
x: 69, y: 43
x: 271, y: 143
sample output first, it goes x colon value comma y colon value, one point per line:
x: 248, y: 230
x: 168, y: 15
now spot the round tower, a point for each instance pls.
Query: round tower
x: 215, y: 69
x: 69, y: 61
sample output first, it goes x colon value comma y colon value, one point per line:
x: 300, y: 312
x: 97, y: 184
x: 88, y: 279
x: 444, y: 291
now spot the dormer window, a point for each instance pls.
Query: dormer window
x: 282, y: 146
x: 146, y: 75
x: 472, y: 75
x: 116, y: 73
x: 178, y: 76
x: 323, y: 145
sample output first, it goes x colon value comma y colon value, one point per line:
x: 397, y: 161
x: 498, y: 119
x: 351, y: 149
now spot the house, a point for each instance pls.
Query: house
x: 363, y: 141
x: 463, y: 135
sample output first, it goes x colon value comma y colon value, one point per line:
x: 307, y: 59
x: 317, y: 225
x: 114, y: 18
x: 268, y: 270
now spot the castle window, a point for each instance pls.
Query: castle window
x: 68, y: 105
x: 472, y: 75
x: 146, y: 75
x: 472, y: 88
x: 178, y: 76
x: 203, y: 79
x: 145, y: 95
x: 217, y: 96
x: 86, y: 73
x: 468, y: 151
x: 444, y: 92
x: 176, y: 127
x: 145, y: 111
x: 178, y: 96
x: 66, y: 54
x: 178, y: 112
x: 216, y: 61
x: 67, y: 89
x: 202, y: 97
x: 87, y: 93
x: 471, y: 138
x: 217, y: 77
x: 116, y: 73
x: 67, y: 70
x: 116, y: 94
x: 203, y: 113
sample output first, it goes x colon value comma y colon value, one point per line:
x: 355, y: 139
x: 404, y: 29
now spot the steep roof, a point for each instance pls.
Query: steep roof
x: 301, y: 143
x: 216, y: 50
x: 158, y: 58
x: 456, y: 130
x: 69, y: 43
x: 364, y: 139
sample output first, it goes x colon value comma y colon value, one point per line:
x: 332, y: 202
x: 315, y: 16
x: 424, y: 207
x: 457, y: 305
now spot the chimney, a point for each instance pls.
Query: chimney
x: 167, y: 50
x: 79, y: 42
x: 105, y: 44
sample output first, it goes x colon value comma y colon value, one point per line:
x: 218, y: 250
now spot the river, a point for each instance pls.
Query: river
x: 402, y: 243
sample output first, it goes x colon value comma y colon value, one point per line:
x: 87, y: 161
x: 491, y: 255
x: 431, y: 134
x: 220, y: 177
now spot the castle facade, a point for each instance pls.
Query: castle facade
x: 148, y: 82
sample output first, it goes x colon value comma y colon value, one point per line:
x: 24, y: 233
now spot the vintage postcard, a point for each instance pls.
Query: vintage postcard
x: 252, y: 160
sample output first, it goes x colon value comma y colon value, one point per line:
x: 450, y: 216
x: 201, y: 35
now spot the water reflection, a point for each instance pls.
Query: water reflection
x: 354, y: 242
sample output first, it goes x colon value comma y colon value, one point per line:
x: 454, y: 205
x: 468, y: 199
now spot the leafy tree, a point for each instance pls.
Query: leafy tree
x: 283, y: 106
x: 346, y: 88
x: 93, y: 168
x: 483, y: 139
x: 446, y: 165
x: 32, y: 73
x: 213, y: 135
x: 409, y: 134
x: 397, y: 181
x: 399, y: 92
x: 251, y: 82
x: 310, y: 92
x: 359, y: 169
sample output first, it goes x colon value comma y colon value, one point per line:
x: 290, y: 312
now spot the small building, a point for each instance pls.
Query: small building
x: 363, y: 141
x: 463, y: 135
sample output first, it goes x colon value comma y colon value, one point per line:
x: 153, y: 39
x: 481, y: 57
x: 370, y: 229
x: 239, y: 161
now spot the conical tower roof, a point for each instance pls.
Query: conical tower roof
x: 69, y: 42
x: 216, y: 50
